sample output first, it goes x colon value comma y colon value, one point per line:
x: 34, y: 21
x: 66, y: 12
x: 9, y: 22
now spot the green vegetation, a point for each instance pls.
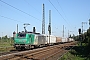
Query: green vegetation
x: 70, y: 56
x: 82, y: 50
x: 6, y: 44
x: 78, y: 53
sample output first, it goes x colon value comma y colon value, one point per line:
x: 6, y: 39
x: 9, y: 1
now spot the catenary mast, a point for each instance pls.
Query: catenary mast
x: 43, y: 21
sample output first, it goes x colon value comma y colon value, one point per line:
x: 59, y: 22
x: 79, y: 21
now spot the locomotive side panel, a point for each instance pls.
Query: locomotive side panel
x: 41, y: 40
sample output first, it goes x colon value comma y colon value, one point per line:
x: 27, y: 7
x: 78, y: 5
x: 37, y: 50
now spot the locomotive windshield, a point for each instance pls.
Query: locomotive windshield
x: 21, y: 35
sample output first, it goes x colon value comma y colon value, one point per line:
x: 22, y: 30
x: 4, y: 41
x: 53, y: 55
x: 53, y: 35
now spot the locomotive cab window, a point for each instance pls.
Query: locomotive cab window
x: 21, y: 35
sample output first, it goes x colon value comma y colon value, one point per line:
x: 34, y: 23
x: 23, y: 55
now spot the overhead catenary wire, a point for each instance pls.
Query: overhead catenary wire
x: 58, y: 12
x: 12, y: 19
x: 19, y: 10
x: 61, y: 8
x: 32, y: 6
x: 9, y: 10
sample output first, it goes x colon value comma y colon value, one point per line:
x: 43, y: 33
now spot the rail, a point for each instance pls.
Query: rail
x: 41, y: 53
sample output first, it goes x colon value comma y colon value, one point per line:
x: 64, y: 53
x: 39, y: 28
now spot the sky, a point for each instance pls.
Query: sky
x: 70, y: 13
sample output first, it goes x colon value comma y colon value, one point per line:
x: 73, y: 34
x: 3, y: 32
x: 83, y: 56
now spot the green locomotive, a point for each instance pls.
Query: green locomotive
x: 26, y: 40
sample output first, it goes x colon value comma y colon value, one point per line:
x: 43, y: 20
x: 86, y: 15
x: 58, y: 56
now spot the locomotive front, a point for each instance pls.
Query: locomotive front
x: 21, y: 41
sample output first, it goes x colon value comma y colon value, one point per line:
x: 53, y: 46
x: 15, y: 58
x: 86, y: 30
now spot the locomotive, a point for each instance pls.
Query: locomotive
x: 28, y: 40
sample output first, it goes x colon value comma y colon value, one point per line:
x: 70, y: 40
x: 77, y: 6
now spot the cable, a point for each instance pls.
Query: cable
x: 19, y: 10
x: 58, y: 11
x: 61, y: 8
x: 32, y: 6
x: 10, y: 19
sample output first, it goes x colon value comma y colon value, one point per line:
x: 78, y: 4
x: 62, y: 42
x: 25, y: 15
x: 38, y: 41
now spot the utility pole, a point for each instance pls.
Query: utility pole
x: 50, y: 20
x: 17, y: 28
x: 2, y: 37
x: 63, y: 30
x: 82, y: 27
x: 49, y: 26
x: 68, y: 33
x: 79, y: 30
x: 43, y: 21
x: 82, y: 31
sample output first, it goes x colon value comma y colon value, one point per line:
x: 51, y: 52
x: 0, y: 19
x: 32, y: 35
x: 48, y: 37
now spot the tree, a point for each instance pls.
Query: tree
x: 0, y: 38
x: 85, y: 37
x: 6, y: 37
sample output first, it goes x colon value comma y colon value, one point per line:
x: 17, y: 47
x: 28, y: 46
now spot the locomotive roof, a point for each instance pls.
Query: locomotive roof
x: 27, y: 33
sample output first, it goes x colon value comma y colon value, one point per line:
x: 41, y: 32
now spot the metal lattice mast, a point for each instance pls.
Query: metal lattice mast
x: 49, y: 26
x: 17, y: 28
x: 63, y: 30
x: 50, y: 20
x: 43, y: 21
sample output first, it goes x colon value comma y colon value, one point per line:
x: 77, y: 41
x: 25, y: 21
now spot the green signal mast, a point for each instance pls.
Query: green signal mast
x: 49, y: 26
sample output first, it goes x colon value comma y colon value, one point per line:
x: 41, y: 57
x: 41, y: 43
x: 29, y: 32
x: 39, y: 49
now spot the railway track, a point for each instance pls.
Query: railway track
x: 10, y: 52
x: 46, y: 53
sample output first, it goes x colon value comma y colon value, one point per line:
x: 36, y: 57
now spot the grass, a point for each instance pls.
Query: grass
x: 78, y: 53
x: 6, y: 45
x: 70, y: 56
x: 6, y: 42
